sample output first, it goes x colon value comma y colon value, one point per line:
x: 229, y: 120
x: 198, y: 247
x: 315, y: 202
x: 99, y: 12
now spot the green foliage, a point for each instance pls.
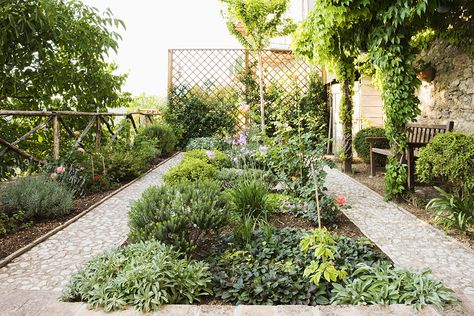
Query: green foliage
x: 249, y: 198
x: 362, y: 146
x: 124, y: 162
x: 269, y: 269
x: 452, y: 211
x: 448, y: 156
x: 71, y: 40
x: 395, y: 178
x: 262, y: 20
x: 385, y: 284
x: 183, y: 215
x: 323, y: 246
x: 230, y: 176
x: 162, y: 135
x: 190, y: 170
x: 215, y: 158
x: 13, y: 222
x: 209, y: 143
x: 144, y: 275
x: 196, y: 114
x: 36, y: 196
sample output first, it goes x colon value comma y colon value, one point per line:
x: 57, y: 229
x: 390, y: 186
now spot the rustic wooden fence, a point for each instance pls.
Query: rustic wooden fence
x: 227, y: 74
x: 97, y: 120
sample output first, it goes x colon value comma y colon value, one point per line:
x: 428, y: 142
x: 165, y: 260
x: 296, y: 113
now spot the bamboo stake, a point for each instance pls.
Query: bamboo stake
x: 317, y: 195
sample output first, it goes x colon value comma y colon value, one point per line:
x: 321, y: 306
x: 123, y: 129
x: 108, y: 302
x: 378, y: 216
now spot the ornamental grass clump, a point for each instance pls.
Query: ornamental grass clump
x: 144, y: 275
x: 250, y: 198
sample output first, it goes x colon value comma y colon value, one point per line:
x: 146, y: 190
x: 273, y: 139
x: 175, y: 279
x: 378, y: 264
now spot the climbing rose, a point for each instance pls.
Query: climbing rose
x: 341, y: 200
x: 60, y: 170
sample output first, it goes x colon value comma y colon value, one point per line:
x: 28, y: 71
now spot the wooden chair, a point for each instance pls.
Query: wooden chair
x: 419, y: 135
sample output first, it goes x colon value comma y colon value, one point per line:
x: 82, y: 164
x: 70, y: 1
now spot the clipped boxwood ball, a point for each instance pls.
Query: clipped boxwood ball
x: 362, y: 147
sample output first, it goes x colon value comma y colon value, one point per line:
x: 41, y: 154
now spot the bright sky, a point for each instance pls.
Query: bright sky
x: 154, y: 26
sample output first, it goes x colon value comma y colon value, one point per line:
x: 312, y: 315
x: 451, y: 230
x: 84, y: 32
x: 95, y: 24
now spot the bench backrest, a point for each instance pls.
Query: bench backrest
x: 424, y: 133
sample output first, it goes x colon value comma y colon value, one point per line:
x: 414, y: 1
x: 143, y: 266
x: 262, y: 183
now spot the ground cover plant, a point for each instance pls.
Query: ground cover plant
x: 145, y: 275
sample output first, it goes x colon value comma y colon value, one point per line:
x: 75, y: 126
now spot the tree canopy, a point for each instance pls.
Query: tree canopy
x: 53, y: 56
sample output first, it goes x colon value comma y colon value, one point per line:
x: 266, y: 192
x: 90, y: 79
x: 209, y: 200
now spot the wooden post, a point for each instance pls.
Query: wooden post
x: 98, y: 132
x: 170, y: 73
x: 56, y: 136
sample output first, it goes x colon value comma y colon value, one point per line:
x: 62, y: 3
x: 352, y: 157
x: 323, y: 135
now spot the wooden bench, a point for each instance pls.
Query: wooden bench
x: 419, y: 135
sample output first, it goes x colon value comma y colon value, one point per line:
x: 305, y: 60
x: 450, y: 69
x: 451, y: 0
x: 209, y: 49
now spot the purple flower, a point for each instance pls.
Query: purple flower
x: 235, y: 159
x: 262, y: 149
x: 242, y: 140
x: 210, y: 154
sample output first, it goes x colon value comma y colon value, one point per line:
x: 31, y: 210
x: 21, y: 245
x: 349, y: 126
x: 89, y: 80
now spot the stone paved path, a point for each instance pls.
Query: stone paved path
x: 407, y: 240
x: 48, y: 265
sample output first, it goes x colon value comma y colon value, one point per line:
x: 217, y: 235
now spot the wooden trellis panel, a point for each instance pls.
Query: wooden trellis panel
x: 215, y: 72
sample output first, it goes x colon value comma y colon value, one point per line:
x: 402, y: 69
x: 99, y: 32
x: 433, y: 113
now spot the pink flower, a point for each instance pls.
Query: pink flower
x: 341, y: 200
x: 81, y: 150
x: 60, y: 170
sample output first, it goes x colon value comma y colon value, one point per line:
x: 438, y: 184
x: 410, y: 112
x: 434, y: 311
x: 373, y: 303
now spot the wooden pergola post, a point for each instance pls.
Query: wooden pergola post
x: 56, y: 136
x: 98, y: 132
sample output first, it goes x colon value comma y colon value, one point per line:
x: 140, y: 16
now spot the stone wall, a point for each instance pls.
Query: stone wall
x: 450, y: 96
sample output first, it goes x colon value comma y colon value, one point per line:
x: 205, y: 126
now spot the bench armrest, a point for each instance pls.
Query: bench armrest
x: 372, y: 140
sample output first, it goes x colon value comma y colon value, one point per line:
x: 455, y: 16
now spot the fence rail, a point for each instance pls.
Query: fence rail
x: 56, y: 117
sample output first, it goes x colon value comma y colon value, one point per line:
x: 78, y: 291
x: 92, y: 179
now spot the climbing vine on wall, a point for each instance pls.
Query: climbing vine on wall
x: 336, y: 33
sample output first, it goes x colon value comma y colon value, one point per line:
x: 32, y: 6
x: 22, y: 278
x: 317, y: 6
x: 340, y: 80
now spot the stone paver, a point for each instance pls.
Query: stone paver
x: 47, y: 266
x: 407, y: 240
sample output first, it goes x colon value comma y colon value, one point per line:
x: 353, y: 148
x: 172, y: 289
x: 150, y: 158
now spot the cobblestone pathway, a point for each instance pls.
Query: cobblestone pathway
x: 407, y: 240
x: 46, y: 267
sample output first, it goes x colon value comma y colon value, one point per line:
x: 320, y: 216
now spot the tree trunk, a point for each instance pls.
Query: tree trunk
x: 347, y: 128
x: 262, y: 101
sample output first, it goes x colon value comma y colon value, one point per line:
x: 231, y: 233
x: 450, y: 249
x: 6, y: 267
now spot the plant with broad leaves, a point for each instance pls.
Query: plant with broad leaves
x: 452, y: 211
x: 323, y: 246
x: 144, y: 275
x: 384, y: 283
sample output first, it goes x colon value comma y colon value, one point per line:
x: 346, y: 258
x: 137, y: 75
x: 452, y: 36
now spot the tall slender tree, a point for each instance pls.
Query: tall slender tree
x: 254, y: 23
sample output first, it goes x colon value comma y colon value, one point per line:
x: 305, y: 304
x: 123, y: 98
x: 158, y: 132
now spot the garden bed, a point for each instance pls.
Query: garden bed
x: 415, y: 205
x: 20, y: 238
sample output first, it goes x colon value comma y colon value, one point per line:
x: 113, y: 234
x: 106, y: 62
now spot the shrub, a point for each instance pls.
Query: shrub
x: 163, y: 136
x: 448, y: 156
x: 269, y: 270
x: 385, y: 284
x: 190, y: 170
x: 209, y: 143
x: 183, y: 215
x: 125, y: 162
x: 198, y: 115
x: 362, y: 146
x: 36, y: 196
x: 213, y: 157
x: 453, y: 211
x: 249, y: 198
x: 144, y: 275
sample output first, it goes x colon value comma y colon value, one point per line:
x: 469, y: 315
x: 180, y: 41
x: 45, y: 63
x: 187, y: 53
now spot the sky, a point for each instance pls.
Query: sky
x: 153, y: 27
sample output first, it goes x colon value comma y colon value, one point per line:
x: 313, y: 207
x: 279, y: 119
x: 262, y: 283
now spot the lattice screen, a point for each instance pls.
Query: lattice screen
x: 218, y: 73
